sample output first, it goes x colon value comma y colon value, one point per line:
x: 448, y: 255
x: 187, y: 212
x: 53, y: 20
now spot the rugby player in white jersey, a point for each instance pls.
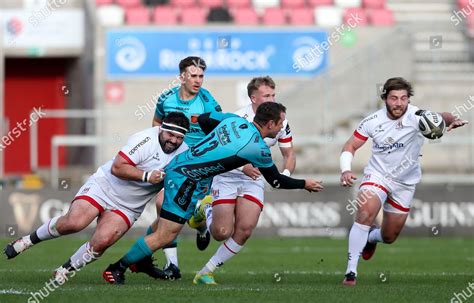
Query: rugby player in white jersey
x: 238, y: 195
x: 116, y: 195
x: 393, y: 171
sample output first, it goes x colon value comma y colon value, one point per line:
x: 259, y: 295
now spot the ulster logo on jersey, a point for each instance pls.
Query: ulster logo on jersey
x: 157, y: 156
x: 399, y: 125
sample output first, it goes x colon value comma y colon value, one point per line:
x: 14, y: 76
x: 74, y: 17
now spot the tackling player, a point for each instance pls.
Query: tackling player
x: 193, y: 100
x: 393, y: 171
x: 231, y: 143
x: 116, y: 195
x: 238, y: 195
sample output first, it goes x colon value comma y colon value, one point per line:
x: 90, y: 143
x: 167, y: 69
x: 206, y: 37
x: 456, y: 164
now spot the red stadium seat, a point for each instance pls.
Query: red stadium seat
x: 129, y: 3
x: 211, y: 3
x: 373, y: 4
x: 463, y: 3
x: 245, y: 16
x: 274, y: 16
x: 165, y: 15
x: 355, y: 14
x: 194, y: 16
x: 183, y: 3
x: 103, y: 2
x: 137, y: 15
x: 293, y: 3
x: 301, y: 16
x: 314, y: 3
x: 239, y: 3
x: 380, y: 17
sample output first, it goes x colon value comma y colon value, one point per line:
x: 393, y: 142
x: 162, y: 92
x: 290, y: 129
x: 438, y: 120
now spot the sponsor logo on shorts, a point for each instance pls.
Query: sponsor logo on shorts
x: 215, y: 193
x: 85, y: 190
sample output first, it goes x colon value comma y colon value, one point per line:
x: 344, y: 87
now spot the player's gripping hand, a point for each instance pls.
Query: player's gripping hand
x: 347, y: 178
x: 251, y: 171
x: 157, y: 176
x: 313, y: 185
x: 457, y: 123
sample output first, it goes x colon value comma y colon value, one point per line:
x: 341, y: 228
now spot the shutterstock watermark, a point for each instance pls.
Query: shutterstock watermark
x: 464, y: 295
x: 20, y: 127
x: 51, y: 285
x: 459, y: 15
x: 38, y: 16
x: 319, y: 49
x: 464, y: 108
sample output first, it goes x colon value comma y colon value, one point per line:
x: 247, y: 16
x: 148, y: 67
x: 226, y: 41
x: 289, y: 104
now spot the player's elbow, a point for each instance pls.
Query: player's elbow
x: 116, y: 170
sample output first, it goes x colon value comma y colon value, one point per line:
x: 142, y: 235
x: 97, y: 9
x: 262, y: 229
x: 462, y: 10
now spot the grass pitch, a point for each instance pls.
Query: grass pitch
x: 267, y: 270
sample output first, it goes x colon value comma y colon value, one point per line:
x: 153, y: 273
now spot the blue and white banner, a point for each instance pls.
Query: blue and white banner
x: 144, y: 53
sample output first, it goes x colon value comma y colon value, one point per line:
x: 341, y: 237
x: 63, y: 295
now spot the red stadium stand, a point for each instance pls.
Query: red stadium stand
x: 183, y: 3
x: 165, y: 15
x: 274, y: 16
x: 194, y: 16
x: 245, y: 16
x: 137, y: 15
x: 380, y: 17
x: 463, y: 3
x: 373, y: 4
x: 352, y: 13
x: 293, y: 3
x: 300, y: 16
x: 103, y: 2
x: 320, y: 2
x: 211, y: 3
x: 129, y: 3
x: 239, y: 3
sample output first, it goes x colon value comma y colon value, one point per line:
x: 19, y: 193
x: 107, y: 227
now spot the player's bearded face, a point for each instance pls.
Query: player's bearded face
x: 169, y: 141
x: 397, y: 103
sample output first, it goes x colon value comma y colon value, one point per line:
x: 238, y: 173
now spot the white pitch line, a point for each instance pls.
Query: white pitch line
x: 12, y: 291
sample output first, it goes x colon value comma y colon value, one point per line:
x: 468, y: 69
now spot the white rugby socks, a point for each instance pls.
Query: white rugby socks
x: 357, y: 240
x: 48, y: 230
x: 227, y: 250
x: 375, y: 236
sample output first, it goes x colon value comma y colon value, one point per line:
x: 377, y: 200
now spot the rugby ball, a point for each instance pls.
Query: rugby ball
x: 431, y: 125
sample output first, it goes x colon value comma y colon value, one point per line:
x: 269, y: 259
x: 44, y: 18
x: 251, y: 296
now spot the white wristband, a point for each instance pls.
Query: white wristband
x: 345, y: 161
x: 240, y: 168
x: 286, y: 172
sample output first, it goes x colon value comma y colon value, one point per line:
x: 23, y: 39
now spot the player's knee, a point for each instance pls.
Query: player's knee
x: 243, y: 232
x: 67, y: 224
x: 100, y: 245
x: 221, y: 233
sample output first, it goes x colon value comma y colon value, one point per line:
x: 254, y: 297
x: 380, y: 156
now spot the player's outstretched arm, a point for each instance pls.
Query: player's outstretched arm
x: 277, y: 180
x: 345, y: 160
x: 452, y: 121
x: 122, y: 169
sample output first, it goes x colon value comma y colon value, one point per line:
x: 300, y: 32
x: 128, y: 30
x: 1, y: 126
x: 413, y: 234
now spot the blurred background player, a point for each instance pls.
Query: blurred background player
x: 116, y: 195
x: 193, y: 100
x: 393, y: 171
x: 231, y: 143
x: 238, y: 195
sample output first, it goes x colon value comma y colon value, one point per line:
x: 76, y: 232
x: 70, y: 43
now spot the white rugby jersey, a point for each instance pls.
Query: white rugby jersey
x: 284, y: 138
x: 143, y: 150
x: 396, y: 145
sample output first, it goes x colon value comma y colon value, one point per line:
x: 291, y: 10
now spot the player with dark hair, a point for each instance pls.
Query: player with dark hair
x: 238, y: 195
x: 193, y: 100
x: 116, y: 195
x: 393, y: 171
x: 231, y: 142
